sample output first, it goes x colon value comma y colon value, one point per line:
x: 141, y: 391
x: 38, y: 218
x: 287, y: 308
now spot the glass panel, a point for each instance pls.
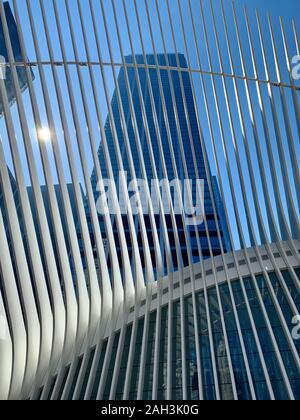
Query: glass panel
x: 266, y: 344
x: 112, y: 363
x: 99, y: 371
x: 237, y: 358
x: 148, y: 381
x: 74, y: 381
x: 191, y: 354
x: 220, y: 348
x: 255, y: 363
x: 206, y: 351
x: 163, y: 354
x: 63, y: 383
x: 136, y: 360
x: 284, y: 348
x: 123, y: 368
x: 177, y: 392
x: 87, y: 374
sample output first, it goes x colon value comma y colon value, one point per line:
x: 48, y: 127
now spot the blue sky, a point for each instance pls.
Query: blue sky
x: 286, y: 8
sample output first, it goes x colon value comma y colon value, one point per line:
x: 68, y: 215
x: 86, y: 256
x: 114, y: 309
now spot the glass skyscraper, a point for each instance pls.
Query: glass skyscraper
x: 5, y: 70
x: 169, y: 131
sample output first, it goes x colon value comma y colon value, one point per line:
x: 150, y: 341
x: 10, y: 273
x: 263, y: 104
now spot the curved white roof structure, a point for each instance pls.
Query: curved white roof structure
x: 156, y: 305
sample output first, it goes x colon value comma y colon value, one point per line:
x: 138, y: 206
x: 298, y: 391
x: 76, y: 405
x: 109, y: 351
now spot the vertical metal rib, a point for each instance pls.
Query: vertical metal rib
x: 22, y: 268
x: 287, y: 122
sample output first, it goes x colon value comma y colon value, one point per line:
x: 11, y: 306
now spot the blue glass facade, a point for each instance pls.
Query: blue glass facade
x: 246, y: 295
x: 5, y: 71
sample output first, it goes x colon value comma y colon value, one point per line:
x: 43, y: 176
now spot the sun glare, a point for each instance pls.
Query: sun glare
x: 44, y: 134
